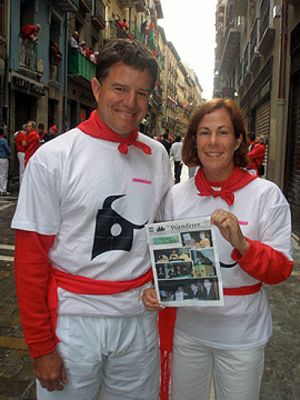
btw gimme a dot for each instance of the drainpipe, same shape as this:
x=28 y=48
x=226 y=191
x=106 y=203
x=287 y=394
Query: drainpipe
x=283 y=48
x=6 y=73
x=65 y=125
x=281 y=118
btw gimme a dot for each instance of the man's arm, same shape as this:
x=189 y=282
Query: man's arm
x=32 y=275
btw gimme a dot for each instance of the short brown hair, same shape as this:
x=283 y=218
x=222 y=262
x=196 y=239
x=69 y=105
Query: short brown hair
x=189 y=150
x=129 y=52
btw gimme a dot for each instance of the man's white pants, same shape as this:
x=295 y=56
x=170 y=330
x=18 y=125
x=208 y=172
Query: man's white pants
x=236 y=374
x=108 y=358
x=21 y=157
x=3 y=174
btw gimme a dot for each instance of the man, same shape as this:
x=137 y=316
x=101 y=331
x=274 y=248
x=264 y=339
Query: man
x=175 y=152
x=256 y=156
x=41 y=132
x=32 y=141
x=20 y=139
x=4 y=163
x=74 y=42
x=81 y=242
x=165 y=141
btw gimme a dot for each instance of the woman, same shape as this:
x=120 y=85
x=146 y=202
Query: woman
x=254 y=226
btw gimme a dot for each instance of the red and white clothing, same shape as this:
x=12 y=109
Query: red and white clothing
x=32 y=144
x=256 y=156
x=65 y=184
x=264 y=216
x=207 y=338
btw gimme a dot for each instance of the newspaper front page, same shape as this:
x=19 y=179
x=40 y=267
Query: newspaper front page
x=185 y=263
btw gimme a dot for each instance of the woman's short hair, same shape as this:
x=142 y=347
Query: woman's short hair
x=129 y=52
x=189 y=150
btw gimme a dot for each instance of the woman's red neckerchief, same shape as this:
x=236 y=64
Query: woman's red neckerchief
x=238 y=179
x=95 y=127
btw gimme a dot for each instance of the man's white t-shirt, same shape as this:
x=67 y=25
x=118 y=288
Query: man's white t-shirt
x=66 y=184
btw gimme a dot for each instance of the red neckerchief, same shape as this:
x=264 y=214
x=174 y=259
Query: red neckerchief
x=95 y=127
x=238 y=179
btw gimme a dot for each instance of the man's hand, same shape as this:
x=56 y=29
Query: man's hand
x=50 y=371
x=229 y=227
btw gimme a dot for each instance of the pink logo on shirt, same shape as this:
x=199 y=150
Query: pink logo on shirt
x=243 y=222
x=145 y=181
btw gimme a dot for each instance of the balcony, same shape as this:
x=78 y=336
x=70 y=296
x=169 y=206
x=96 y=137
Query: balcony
x=98 y=14
x=80 y=66
x=140 y=6
x=240 y=7
x=266 y=30
x=28 y=55
x=230 y=47
x=116 y=32
x=127 y=3
x=67 y=5
x=254 y=41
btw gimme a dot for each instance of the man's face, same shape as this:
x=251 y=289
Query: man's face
x=122 y=97
x=29 y=127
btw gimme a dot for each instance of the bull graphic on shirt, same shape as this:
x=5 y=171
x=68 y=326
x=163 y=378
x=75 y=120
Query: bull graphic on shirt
x=112 y=232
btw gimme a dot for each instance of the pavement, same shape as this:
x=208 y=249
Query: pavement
x=281 y=379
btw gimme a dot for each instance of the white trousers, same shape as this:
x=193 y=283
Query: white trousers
x=3 y=174
x=21 y=157
x=236 y=374
x=108 y=358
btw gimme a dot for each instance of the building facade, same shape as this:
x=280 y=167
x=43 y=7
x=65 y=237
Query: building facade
x=42 y=77
x=257 y=63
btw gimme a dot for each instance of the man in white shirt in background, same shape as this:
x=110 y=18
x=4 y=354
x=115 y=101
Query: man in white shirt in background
x=175 y=152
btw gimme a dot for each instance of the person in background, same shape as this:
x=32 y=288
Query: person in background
x=29 y=32
x=52 y=133
x=20 y=139
x=252 y=140
x=41 y=132
x=175 y=152
x=166 y=142
x=4 y=163
x=74 y=42
x=256 y=156
x=32 y=141
x=81 y=242
x=225 y=344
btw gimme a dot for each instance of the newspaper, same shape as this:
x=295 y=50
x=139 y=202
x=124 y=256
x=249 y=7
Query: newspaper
x=185 y=263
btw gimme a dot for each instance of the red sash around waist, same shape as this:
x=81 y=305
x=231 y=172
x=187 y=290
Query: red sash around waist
x=83 y=285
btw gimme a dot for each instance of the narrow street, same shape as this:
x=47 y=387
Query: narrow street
x=282 y=373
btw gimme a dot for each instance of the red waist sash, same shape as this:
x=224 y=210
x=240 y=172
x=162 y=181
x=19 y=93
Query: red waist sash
x=83 y=285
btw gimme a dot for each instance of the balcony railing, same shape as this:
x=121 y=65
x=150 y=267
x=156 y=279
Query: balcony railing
x=266 y=31
x=79 y=65
x=67 y=5
x=254 y=42
x=98 y=13
x=28 y=55
x=116 y=32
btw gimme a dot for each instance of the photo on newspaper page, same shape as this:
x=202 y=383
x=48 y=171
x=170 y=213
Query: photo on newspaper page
x=185 y=263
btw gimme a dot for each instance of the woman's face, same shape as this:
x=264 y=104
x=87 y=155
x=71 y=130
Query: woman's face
x=216 y=144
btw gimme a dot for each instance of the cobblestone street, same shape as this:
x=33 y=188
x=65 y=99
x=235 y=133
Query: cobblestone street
x=282 y=373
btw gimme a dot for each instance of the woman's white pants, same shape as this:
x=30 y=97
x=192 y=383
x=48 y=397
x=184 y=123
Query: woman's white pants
x=236 y=374
x=108 y=358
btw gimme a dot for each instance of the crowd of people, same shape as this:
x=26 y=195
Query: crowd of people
x=81 y=47
x=90 y=321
